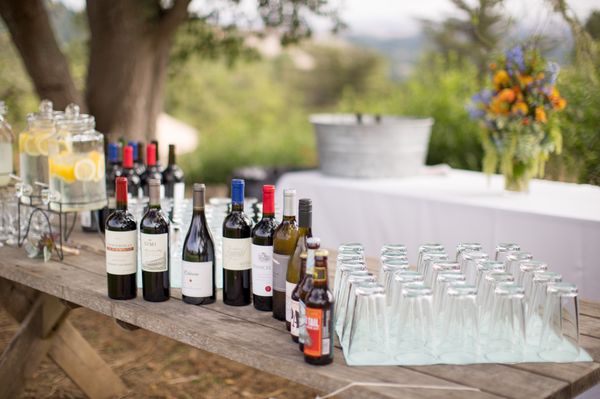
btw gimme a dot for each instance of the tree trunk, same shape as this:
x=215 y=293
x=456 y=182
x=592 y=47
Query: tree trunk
x=129 y=51
x=29 y=26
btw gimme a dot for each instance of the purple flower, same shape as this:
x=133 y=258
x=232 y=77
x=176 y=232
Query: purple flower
x=514 y=57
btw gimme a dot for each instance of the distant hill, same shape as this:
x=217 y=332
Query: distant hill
x=403 y=53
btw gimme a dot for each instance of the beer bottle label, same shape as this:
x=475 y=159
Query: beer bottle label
x=318 y=340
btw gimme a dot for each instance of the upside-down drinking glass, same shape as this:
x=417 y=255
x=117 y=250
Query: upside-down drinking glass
x=504 y=249
x=437 y=267
x=345 y=266
x=469 y=262
x=513 y=259
x=347 y=325
x=347 y=292
x=427 y=259
x=467 y=247
x=394 y=289
x=369 y=338
x=527 y=268
x=507 y=334
x=393 y=248
x=415 y=327
x=440 y=287
x=389 y=267
x=460 y=329
x=560 y=330
x=428 y=248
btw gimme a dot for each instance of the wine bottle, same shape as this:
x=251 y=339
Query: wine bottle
x=152 y=170
x=138 y=161
x=293 y=270
x=155 y=248
x=318 y=345
x=198 y=285
x=284 y=243
x=121 y=242
x=157 y=155
x=237 y=267
x=173 y=178
x=133 y=180
x=262 y=253
x=295 y=298
x=303 y=288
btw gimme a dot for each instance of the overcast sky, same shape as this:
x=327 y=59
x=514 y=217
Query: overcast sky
x=399 y=18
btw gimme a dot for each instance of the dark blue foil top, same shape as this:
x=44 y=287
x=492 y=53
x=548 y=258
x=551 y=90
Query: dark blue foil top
x=237 y=191
x=113 y=152
x=134 y=145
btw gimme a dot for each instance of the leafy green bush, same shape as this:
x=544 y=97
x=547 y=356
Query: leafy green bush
x=244 y=115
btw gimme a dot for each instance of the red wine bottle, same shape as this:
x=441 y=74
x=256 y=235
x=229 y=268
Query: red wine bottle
x=173 y=178
x=262 y=253
x=121 y=244
x=237 y=266
x=155 y=248
x=133 y=180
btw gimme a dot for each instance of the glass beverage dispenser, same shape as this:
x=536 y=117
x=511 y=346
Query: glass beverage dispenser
x=6 y=153
x=76 y=163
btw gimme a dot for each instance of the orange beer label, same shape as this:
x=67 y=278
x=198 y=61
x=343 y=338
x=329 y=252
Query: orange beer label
x=314 y=332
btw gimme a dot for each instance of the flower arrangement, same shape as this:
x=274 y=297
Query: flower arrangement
x=519 y=114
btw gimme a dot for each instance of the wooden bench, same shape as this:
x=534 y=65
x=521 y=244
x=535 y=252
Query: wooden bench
x=39 y=295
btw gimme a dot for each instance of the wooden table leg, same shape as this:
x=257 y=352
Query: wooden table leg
x=45 y=330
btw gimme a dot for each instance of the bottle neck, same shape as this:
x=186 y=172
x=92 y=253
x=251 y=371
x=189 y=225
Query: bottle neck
x=154 y=197
x=171 y=156
x=320 y=277
x=237 y=207
x=305 y=220
x=310 y=262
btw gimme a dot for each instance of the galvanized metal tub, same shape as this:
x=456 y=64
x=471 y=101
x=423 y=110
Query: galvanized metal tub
x=368 y=146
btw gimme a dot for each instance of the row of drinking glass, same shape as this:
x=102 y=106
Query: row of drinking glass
x=468 y=309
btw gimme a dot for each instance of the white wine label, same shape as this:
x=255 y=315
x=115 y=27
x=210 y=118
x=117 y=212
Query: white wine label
x=280 y=264
x=162 y=191
x=289 y=287
x=86 y=219
x=294 y=330
x=236 y=253
x=121 y=252
x=262 y=270
x=301 y=322
x=178 y=192
x=155 y=252
x=197 y=279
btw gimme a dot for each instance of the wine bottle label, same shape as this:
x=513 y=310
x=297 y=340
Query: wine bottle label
x=121 y=252
x=280 y=264
x=86 y=219
x=289 y=287
x=197 y=279
x=294 y=330
x=154 y=252
x=178 y=192
x=236 y=253
x=301 y=321
x=262 y=270
x=318 y=340
x=162 y=191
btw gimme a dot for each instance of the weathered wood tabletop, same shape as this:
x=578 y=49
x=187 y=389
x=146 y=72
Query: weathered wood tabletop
x=254 y=338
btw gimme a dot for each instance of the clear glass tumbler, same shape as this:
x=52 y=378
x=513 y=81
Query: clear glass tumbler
x=428 y=248
x=560 y=331
x=504 y=249
x=415 y=328
x=369 y=338
x=459 y=337
x=507 y=333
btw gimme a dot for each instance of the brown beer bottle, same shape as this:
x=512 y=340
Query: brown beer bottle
x=304 y=287
x=318 y=344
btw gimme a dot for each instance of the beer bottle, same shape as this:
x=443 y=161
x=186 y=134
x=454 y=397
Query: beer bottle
x=318 y=344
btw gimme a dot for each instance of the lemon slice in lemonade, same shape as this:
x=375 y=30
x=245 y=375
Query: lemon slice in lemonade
x=41 y=142
x=85 y=170
x=64 y=171
x=98 y=158
x=29 y=146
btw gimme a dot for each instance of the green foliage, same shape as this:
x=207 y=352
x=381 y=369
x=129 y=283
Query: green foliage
x=245 y=116
x=439 y=88
x=592 y=25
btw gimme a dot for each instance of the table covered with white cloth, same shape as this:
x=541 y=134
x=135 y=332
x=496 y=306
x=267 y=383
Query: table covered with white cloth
x=557 y=222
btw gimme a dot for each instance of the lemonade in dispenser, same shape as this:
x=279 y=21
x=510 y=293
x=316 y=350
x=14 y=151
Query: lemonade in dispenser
x=33 y=146
x=76 y=163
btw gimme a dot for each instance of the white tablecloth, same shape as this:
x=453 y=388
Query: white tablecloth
x=558 y=222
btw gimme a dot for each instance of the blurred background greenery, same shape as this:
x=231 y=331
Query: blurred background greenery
x=252 y=108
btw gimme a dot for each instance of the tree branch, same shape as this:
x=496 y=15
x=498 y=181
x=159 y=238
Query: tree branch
x=171 y=18
x=29 y=26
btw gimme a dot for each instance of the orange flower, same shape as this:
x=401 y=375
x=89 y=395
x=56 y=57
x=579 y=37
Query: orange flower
x=499 y=107
x=493 y=66
x=507 y=95
x=559 y=104
x=520 y=108
x=526 y=121
x=501 y=78
x=540 y=115
x=525 y=80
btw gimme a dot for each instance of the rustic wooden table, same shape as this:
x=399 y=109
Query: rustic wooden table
x=40 y=295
